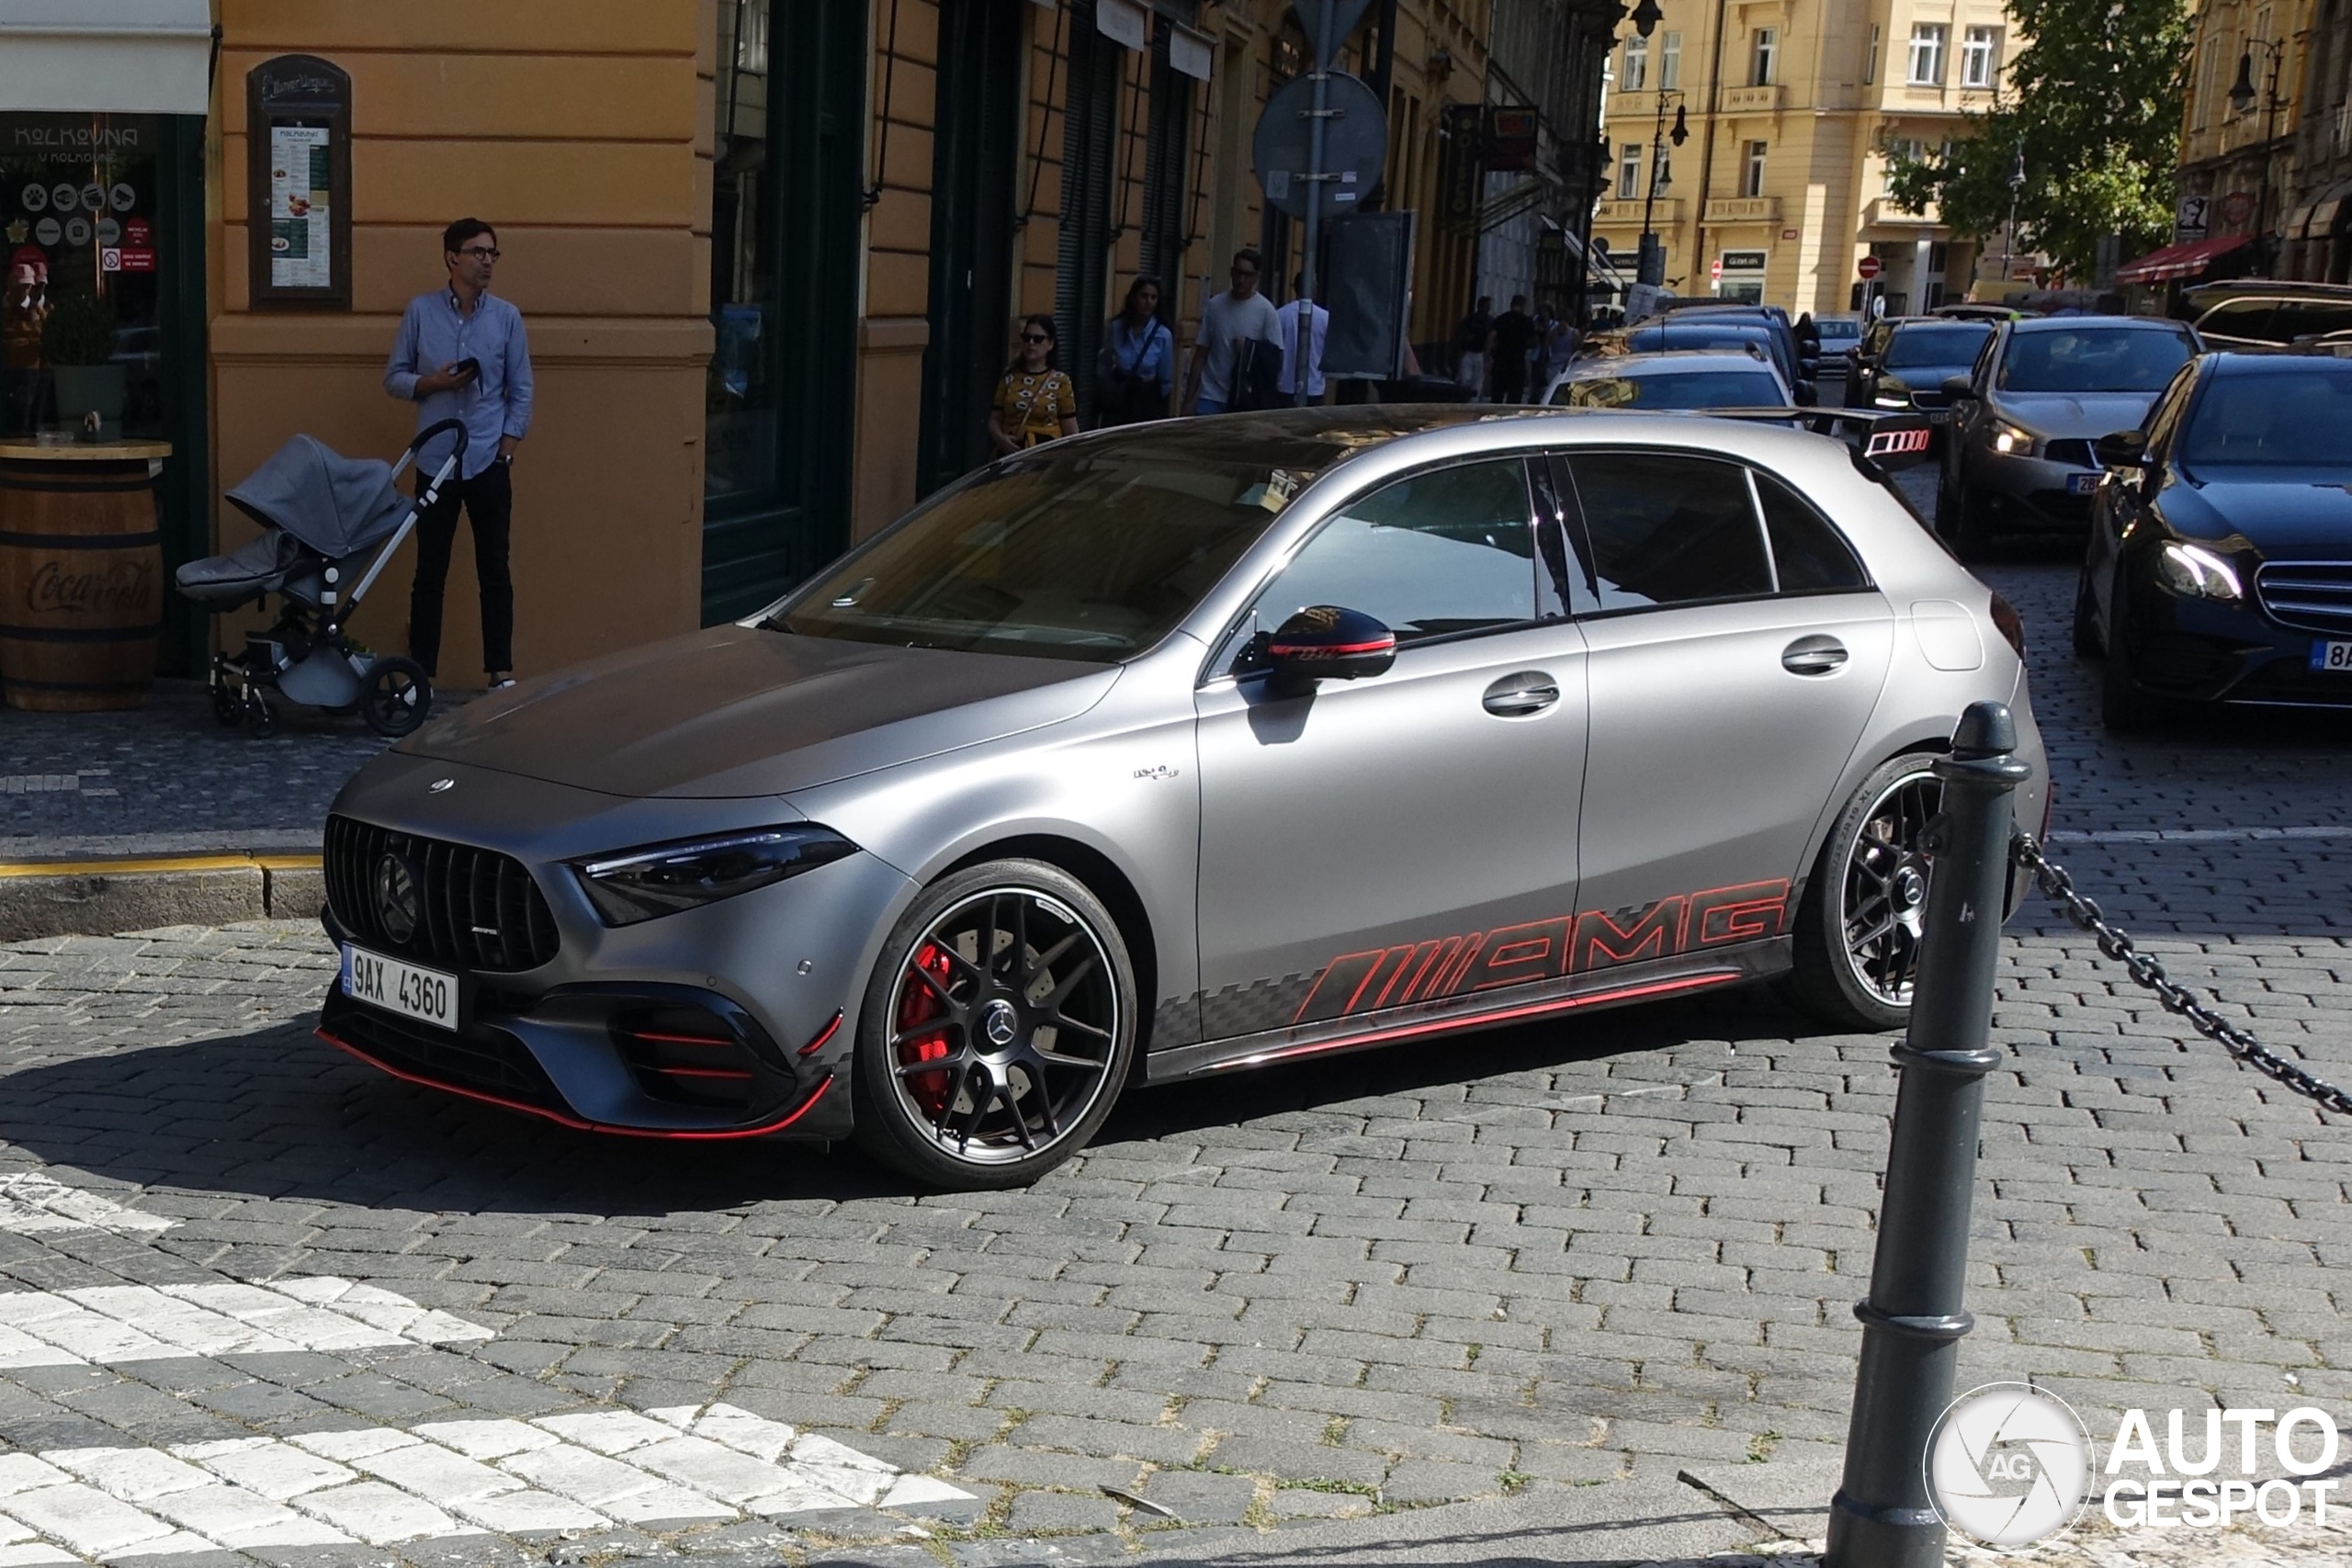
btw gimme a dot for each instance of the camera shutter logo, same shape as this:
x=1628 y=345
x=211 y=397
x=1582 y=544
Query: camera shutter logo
x=2009 y=1464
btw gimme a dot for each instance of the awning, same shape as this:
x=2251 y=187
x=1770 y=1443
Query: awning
x=2179 y=261
x=105 y=56
x=2321 y=222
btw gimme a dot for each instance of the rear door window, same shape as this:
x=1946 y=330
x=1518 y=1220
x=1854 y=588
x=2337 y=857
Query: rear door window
x=2312 y=318
x=2241 y=318
x=1667 y=528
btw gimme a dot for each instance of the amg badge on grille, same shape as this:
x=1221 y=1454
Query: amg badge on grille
x=397 y=901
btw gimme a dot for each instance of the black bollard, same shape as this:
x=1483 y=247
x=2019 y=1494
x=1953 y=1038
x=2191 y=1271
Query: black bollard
x=1912 y=1320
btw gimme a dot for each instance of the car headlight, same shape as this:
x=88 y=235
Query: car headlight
x=2009 y=438
x=1891 y=396
x=2199 y=572
x=662 y=879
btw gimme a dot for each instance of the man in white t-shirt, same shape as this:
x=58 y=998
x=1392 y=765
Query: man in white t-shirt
x=1292 y=314
x=1227 y=319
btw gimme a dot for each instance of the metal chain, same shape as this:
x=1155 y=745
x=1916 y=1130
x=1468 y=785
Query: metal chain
x=2147 y=972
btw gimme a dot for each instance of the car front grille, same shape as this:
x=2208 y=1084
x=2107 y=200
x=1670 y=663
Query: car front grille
x=2076 y=453
x=477 y=909
x=2312 y=595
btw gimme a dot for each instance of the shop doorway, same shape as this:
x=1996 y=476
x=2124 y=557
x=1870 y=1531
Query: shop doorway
x=784 y=212
x=975 y=151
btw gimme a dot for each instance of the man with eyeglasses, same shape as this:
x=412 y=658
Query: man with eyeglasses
x=1225 y=374
x=483 y=379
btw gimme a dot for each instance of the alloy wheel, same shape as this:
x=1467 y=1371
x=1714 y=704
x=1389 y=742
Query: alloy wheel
x=1883 y=904
x=1004 y=1022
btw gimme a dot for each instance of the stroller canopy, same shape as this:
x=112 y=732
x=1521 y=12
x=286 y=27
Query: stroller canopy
x=339 y=506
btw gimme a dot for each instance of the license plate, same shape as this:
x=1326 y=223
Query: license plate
x=425 y=993
x=2333 y=656
x=2082 y=484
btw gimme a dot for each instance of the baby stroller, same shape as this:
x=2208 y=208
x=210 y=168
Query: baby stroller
x=319 y=513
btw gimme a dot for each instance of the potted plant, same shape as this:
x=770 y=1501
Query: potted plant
x=78 y=344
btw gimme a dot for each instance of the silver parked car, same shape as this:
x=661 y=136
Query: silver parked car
x=1174 y=750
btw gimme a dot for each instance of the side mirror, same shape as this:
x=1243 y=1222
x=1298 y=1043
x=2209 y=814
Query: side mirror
x=2123 y=449
x=1326 y=642
x=1959 y=386
x=1807 y=396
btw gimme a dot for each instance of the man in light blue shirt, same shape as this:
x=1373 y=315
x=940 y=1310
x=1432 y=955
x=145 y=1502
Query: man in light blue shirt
x=461 y=355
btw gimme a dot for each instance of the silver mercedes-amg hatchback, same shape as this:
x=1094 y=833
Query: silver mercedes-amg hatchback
x=1178 y=749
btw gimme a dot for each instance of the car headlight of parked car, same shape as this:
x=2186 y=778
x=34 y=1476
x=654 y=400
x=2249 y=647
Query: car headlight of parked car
x=2199 y=572
x=2009 y=438
x=1891 y=395
x=662 y=879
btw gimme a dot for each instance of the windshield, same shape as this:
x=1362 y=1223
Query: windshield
x=2292 y=419
x=1093 y=550
x=1955 y=345
x=1830 y=326
x=2093 y=359
x=1727 y=389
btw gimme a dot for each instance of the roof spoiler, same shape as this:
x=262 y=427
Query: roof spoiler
x=1890 y=443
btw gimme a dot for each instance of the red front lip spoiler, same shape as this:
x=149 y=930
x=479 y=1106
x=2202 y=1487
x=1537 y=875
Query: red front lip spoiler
x=580 y=1124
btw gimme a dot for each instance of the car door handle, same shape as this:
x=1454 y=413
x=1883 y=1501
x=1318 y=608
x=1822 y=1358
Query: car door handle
x=1515 y=697
x=1814 y=655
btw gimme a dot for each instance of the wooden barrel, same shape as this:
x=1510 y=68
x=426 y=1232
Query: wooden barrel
x=81 y=575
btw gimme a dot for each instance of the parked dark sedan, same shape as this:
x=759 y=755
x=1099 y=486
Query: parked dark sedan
x=2220 y=566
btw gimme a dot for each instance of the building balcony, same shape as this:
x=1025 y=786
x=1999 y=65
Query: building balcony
x=1751 y=100
x=1883 y=213
x=1744 y=209
x=1665 y=211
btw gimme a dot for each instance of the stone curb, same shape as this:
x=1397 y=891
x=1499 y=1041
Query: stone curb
x=98 y=897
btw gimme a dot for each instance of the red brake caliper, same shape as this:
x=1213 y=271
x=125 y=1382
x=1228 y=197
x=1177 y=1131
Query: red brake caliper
x=917 y=1006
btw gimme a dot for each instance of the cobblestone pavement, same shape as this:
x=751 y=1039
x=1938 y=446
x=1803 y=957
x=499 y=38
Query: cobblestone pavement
x=1601 y=1252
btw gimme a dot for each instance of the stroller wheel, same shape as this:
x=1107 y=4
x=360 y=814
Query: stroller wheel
x=395 y=696
x=261 y=717
x=228 y=707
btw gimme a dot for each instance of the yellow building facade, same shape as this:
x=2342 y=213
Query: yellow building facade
x=2236 y=152
x=1794 y=110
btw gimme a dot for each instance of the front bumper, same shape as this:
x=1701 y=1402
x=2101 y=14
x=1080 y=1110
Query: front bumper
x=2027 y=494
x=2203 y=650
x=731 y=1020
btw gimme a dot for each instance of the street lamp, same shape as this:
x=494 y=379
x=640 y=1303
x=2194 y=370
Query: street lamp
x=2242 y=96
x=2016 y=183
x=1646 y=16
x=1650 y=266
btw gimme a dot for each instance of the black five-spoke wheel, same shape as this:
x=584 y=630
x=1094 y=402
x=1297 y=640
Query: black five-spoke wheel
x=1865 y=909
x=998 y=1028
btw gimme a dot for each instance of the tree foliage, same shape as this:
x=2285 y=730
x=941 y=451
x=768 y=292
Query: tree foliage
x=2094 y=102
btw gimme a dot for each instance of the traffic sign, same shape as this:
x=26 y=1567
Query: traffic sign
x=1344 y=14
x=1355 y=144
x=1869 y=267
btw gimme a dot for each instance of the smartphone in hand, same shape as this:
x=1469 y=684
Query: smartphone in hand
x=469 y=368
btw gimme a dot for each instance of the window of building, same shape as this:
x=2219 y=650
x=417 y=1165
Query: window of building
x=1752 y=178
x=1669 y=62
x=1980 y=56
x=1628 y=172
x=1767 y=58
x=1669 y=530
x=1636 y=76
x=1870 y=61
x=1436 y=554
x=1927 y=55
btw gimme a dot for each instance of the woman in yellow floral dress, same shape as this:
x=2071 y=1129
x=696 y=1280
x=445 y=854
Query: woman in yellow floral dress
x=1034 y=401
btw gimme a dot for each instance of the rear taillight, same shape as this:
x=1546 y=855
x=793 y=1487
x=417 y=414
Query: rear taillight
x=2011 y=626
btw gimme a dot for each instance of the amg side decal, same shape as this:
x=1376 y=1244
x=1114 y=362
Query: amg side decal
x=1542 y=950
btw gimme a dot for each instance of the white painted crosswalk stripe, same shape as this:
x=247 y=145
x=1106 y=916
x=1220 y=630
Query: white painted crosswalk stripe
x=381 y=1486
x=111 y=1325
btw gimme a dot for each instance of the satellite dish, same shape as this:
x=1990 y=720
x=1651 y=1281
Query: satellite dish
x=1355 y=145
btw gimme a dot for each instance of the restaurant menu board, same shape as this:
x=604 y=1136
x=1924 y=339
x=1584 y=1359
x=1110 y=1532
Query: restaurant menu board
x=301 y=237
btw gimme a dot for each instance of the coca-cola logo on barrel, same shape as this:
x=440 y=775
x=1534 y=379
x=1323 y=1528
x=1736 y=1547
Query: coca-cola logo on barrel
x=121 y=586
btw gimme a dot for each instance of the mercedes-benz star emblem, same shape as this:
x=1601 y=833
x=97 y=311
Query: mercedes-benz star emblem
x=1000 y=1023
x=397 y=901
x=439 y=785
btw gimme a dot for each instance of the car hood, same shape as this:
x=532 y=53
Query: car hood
x=1923 y=377
x=2065 y=414
x=735 y=711
x=2290 y=518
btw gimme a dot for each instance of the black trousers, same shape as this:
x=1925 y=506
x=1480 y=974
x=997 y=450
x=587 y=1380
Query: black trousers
x=489 y=501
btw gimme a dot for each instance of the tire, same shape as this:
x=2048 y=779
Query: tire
x=1031 y=1062
x=228 y=707
x=1859 y=924
x=260 y=715
x=2086 y=639
x=2122 y=704
x=395 y=695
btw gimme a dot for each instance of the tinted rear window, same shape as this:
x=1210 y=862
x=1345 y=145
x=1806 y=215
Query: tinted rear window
x=1669 y=529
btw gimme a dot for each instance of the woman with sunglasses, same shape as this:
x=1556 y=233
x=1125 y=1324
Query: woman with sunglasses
x=1034 y=401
